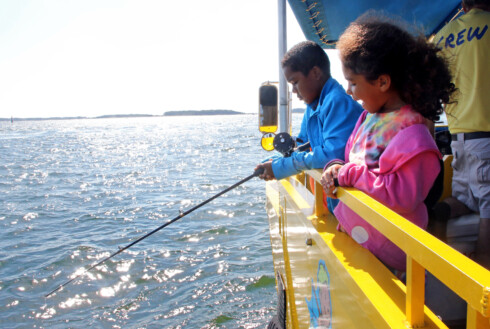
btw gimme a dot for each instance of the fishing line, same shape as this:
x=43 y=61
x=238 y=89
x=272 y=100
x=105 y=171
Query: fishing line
x=257 y=172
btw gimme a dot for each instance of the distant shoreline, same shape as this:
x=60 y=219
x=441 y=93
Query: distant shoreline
x=170 y=113
x=203 y=112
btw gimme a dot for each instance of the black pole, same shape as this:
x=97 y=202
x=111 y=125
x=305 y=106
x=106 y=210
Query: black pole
x=182 y=214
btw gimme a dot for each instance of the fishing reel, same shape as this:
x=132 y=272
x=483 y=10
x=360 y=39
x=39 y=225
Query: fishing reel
x=283 y=143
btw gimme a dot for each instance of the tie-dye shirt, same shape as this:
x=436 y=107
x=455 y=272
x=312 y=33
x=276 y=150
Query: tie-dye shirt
x=376 y=132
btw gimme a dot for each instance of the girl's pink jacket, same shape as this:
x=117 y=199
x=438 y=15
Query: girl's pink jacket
x=407 y=170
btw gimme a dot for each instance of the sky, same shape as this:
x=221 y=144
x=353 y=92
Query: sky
x=65 y=58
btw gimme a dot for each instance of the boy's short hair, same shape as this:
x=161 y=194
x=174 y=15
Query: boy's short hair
x=304 y=56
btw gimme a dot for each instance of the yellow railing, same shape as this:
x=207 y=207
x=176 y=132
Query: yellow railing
x=466 y=278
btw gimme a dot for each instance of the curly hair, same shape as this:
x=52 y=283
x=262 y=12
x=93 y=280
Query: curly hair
x=304 y=56
x=374 y=45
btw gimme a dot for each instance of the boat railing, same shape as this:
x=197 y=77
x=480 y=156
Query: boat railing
x=459 y=273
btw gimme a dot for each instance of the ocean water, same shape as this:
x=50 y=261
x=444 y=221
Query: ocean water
x=73 y=191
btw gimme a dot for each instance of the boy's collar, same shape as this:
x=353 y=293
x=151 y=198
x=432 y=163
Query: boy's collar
x=314 y=104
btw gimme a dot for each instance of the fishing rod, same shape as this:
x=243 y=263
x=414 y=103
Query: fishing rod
x=256 y=173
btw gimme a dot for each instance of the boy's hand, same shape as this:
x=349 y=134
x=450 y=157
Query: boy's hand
x=268 y=173
x=327 y=180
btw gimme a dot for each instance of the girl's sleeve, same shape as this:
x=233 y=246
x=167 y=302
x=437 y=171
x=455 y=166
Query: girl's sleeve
x=400 y=190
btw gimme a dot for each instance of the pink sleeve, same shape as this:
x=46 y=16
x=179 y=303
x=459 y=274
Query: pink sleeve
x=401 y=190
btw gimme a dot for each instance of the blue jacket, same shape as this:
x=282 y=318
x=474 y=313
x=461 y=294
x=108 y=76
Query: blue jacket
x=327 y=125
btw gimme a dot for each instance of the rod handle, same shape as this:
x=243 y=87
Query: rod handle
x=259 y=171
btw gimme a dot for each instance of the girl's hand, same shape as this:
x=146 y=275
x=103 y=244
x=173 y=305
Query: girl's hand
x=327 y=180
x=268 y=173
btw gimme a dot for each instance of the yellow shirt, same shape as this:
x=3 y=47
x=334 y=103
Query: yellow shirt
x=465 y=42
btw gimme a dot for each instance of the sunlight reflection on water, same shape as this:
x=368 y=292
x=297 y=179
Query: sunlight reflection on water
x=73 y=192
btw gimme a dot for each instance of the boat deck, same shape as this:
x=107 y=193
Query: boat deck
x=330 y=281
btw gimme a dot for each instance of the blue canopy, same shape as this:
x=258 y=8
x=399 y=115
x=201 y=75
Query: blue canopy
x=323 y=21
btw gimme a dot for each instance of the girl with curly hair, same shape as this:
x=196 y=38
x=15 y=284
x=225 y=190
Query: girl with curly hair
x=391 y=155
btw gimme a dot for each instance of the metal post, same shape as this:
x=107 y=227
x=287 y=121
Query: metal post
x=283 y=87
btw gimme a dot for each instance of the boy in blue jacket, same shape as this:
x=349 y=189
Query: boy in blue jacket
x=329 y=118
